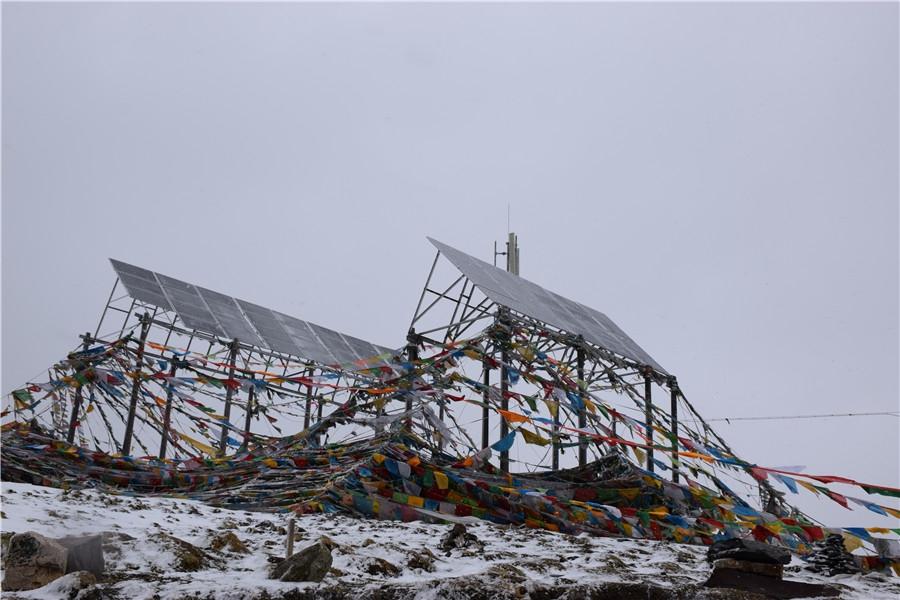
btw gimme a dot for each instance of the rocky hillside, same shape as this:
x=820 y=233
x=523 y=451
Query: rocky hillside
x=164 y=548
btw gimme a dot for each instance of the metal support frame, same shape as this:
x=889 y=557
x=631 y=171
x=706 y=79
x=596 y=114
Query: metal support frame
x=167 y=415
x=673 y=414
x=306 y=412
x=648 y=415
x=582 y=415
x=486 y=399
x=251 y=401
x=229 y=394
x=504 y=388
x=76 y=404
x=136 y=387
x=412 y=355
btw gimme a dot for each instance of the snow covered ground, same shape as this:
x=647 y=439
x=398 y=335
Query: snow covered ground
x=375 y=558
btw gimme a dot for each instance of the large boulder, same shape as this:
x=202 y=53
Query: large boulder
x=768 y=586
x=85 y=553
x=310 y=564
x=33 y=561
x=748 y=550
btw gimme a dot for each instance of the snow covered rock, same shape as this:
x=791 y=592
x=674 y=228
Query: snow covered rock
x=310 y=564
x=831 y=558
x=230 y=541
x=188 y=557
x=459 y=537
x=33 y=561
x=748 y=550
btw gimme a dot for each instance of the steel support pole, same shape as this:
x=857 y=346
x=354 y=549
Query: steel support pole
x=306 y=415
x=485 y=411
x=229 y=393
x=582 y=415
x=251 y=399
x=504 y=404
x=554 y=436
x=76 y=404
x=412 y=355
x=167 y=415
x=136 y=387
x=648 y=416
x=676 y=463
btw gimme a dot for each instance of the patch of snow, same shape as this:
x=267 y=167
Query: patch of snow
x=140 y=565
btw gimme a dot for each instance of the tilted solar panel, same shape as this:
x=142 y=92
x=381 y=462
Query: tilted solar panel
x=532 y=300
x=141 y=284
x=222 y=315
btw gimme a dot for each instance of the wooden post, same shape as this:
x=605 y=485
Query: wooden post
x=167 y=416
x=136 y=387
x=648 y=416
x=229 y=393
x=582 y=414
x=289 y=547
x=76 y=405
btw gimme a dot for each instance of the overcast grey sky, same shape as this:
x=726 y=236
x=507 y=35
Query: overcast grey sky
x=721 y=180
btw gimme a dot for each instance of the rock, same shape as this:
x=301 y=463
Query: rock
x=459 y=537
x=188 y=557
x=379 y=566
x=767 y=569
x=73 y=586
x=328 y=542
x=508 y=572
x=831 y=558
x=5 y=536
x=769 y=587
x=310 y=564
x=421 y=559
x=748 y=550
x=33 y=561
x=85 y=553
x=229 y=540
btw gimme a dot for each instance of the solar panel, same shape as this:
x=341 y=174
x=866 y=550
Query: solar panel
x=141 y=284
x=335 y=343
x=532 y=300
x=189 y=305
x=223 y=315
x=306 y=340
x=227 y=312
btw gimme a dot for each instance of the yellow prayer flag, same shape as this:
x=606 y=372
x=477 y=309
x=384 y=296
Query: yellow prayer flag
x=533 y=438
x=808 y=486
x=552 y=406
x=441 y=480
x=851 y=542
x=639 y=454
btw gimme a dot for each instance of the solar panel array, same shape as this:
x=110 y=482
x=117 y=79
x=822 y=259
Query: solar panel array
x=532 y=300
x=224 y=316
